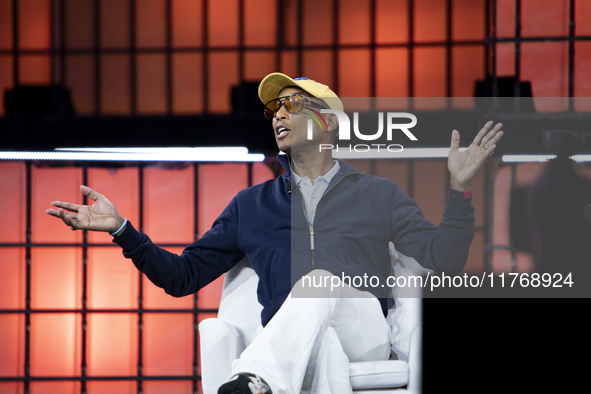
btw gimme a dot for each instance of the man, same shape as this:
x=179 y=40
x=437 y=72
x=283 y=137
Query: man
x=307 y=342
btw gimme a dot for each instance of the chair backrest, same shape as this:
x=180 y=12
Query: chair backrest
x=239 y=304
x=240 y=307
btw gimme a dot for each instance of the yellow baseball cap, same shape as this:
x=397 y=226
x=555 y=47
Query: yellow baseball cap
x=272 y=84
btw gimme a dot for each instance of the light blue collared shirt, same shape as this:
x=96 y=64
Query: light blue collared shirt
x=313 y=192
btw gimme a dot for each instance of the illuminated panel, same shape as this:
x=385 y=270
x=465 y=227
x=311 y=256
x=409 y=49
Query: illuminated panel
x=467 y=67
x=223 y=74
x=121 y=187
x=80 y=80
x=12 y=387
x=55 y=387
x=395 y=170
x=429 y=188
x=429 y=20
x=311 y=60
x=505 y=18
x=55 y=344
x=187 y=83
x=218 y=184
x=168 y=204
x=257 y=65
x=290 y=25
x=54 y=184
x=112 y=344
x=392 y=72
x=468 y=18
x=114 y=30
x=257 y=33
x=56 y=278
x=545 y=64
x=475 y=262
x=12 y=279
x=289 y=64
x=354 y=22
x=168 y=344
x=112 y=279
x=167 y=387
x=505 y=59
x=12 y=345
x=80 y=24
x=5 y=24
x=94 y=387
x=6 y=79
x=317 y=22
x=582 y=18
x=222 y=21
x=354 y=73
x=151 y=84
x=33 y=24
x=115 y=85
x=582 y=75
x=261 y=173
x=156 y=298
x=150 y=23
x=12 y=194
x=429 y=78
x=391 y=21
x=34 y=69
x=543 y=18
x=186 y=23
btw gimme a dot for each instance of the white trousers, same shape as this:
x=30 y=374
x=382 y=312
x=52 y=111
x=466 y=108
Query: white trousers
x=308 y=344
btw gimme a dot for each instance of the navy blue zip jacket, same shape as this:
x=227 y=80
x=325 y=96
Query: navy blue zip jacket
x=356 y=218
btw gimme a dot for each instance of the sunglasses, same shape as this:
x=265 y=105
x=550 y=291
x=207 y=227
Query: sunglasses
x=293 y=103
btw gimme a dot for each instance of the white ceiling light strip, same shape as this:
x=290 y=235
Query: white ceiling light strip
x=139 y=154
x=527 y=158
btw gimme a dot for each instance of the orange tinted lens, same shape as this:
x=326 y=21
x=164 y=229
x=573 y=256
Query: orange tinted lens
x=294 y=104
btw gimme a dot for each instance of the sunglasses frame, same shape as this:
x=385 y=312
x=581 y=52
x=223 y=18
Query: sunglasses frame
x=270 y=115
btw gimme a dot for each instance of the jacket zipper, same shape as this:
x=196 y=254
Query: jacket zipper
x=310 y=226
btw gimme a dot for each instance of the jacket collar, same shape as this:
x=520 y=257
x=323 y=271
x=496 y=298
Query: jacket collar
x=344 y=169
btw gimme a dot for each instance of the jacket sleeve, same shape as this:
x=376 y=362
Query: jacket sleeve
x=199 y=264
x=442 y=248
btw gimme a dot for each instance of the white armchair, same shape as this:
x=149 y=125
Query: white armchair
x=224 y=338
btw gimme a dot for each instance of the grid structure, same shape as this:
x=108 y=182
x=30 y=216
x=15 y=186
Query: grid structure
x=37 y=288
x=154 y=58
x=172 y=57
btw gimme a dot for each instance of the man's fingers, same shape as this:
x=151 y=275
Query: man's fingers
x=482 y=132
x=455 y=140
x=491 y=134
x=90 y=193
x=489 y=151
x=66 y=205
x=52 y=212
x=68 y=218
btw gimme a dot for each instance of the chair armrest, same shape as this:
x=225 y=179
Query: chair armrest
x=415 y=361
x=220 y=344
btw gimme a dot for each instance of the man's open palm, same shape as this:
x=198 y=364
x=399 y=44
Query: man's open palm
x=100 y=216
x=463 y=166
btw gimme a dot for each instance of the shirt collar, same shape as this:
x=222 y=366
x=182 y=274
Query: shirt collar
x=326 y=177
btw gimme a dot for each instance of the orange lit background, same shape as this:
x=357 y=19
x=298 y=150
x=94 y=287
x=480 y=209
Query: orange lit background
x=185 y=63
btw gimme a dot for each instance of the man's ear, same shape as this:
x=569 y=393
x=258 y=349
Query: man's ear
x=332 y=121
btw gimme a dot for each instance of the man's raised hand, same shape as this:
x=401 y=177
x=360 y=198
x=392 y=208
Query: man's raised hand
x=463 y=166
x=100 y=216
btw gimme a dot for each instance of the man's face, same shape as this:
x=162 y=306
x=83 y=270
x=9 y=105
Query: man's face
x=291 y=129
